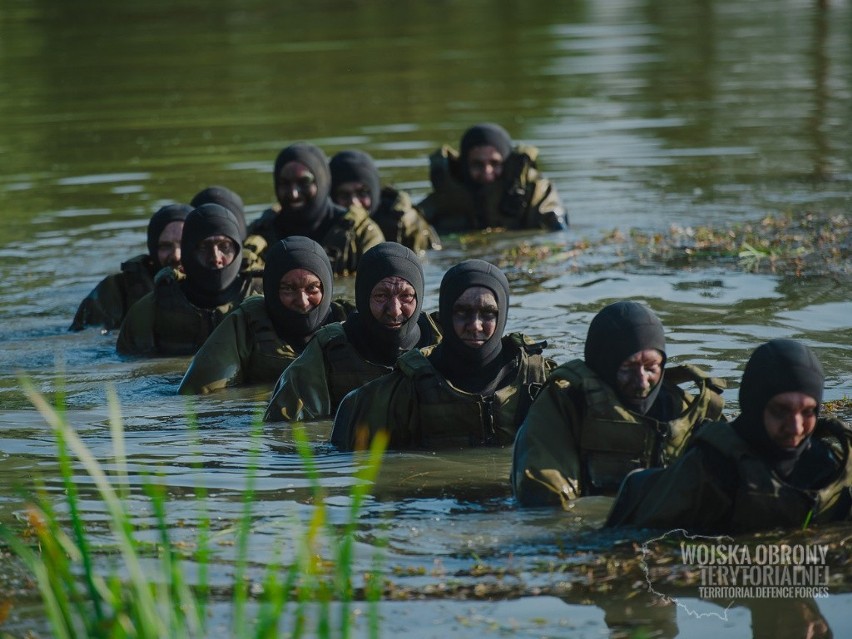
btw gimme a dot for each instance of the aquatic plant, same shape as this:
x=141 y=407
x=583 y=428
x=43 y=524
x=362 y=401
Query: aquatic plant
x=803 y=245
x=114 y=590
x=798 y=245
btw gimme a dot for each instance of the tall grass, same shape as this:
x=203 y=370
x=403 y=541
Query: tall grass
x=85 y=595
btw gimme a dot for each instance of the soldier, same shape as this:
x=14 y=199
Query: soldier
x=109 y=301
x=256 y=342
x=387 y=322
x=354 y=177
x=778 y=464
x=223 y=196
x=597 y=419
x=253 y=245
x=184 y=307
x=472 y=389
x=303 y=186
x=490 y=183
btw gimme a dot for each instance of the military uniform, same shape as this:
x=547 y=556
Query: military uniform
x=420 y=408
x=315 y=383
x=520 y=199
x=109 y=301
x=401 y=222
x=722 y=485
x=579 y=439
x=244 y=349
x=253 y=255
x=351 y=233
x=165 y=322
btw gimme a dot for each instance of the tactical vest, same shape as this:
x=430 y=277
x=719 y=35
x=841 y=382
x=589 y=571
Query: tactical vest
x=339 y=242
x=501 y=203
x=389 y=216
x=344 y=366
x=138 y=279
x=108 y=303
x=518 y=178
x=762 y=499
x=400 y=222
x=448 y=417
x=614 y=440
x=270 y=355
x=180 y=327
x=264 y=226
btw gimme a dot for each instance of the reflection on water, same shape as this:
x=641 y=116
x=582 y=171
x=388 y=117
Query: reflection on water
x=645 y=114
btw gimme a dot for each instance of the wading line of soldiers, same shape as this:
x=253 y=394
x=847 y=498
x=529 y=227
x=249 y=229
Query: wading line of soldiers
x=253 y=303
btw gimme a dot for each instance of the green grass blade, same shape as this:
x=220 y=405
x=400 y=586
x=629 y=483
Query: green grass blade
x=55 y=609
x=241 y=586
x=202 y=552
x=143 y=599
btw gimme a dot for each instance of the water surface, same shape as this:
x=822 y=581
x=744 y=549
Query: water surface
x=646 y=114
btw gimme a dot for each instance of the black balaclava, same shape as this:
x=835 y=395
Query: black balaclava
x=314 y=217
x=223 y=197
x=486 y=134
x=356 y=166
x=471 y=369
x=617 y=332
x=281 y=258
x=778 y=366
x=159 y=221
x=374 y=340
x=204 y=286
x=456 y=281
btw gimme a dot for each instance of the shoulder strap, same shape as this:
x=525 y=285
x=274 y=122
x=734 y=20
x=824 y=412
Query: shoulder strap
x=574 y=372
x=599 y=397
x=330 y=334
x=261 y=232
x=720 y=436
x=691 y=373
x=256 y=316
x=443 y=164
x=354 y=216
x=710 y=388
x=528 y=150
x=138 y=264
x=340 y=309
x=526 y=343
x=519 y=171
x=138 y=275
x=413 y=364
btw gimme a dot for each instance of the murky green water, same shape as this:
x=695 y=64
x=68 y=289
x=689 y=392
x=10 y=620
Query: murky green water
x=646 y=114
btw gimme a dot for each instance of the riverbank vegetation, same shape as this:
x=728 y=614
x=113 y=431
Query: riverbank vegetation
x=803 y=245
x=809 y=244
x=138 y=581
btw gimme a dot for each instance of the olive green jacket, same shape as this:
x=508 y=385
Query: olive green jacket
x=245 y=349
x=351 y=235
x=721 y=486
x=315 y=383
x=401 y=222
x=420 y=408
x=164 y=322
x=520 y=199
x=109 y=301
x=579 y=439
